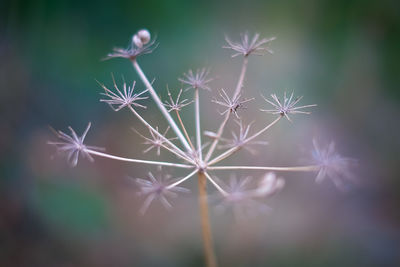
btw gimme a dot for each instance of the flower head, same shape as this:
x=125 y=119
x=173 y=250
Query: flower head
x=240 y=139
x=285 y=107
x=231 y=105
x=72 y=145
x=140 y=45
x=120 y=99
x=332 y=165
x=155 y=141
x=178 y=104
x=196 y=80
x=246 y=47
x=157 y=188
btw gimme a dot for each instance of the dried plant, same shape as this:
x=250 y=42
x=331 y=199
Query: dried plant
x=193 y=156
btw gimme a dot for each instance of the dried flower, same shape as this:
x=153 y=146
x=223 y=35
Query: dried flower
x=239 y=140
x=122 y=99
x=244 y=201
x=232 y=105
x=246 y=47
x=140 y=45
x=157 y=188
x=155 y=141
x=332 y=165
x=72 y=145
x=178 y=104
x=198 y=80
x=285 y=107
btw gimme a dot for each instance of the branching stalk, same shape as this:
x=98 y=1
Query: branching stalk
x=182 y=180
x=198 y=130
x=175 y=150
x=160 y=105
x=184 y=129
x=236 y=93
x=222 y=191
x=287 y=169
x=162 y=163
x=241 y=77
x=229 y=152
x=219 y=134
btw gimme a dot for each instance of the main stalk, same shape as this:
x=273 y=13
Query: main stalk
x=205 y=222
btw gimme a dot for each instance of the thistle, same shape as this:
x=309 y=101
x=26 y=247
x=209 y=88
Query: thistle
x=194 y=156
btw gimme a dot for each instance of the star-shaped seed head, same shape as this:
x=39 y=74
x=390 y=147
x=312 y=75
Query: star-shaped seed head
x=122 y=98
x=240 y=139
x=155 y=141
x=140 y=44
x=156 y=188
x=178 y=104
x=231 y=105
x=198 y=80
x=287 y=106
x=246 y=47
x=72 y=145
x=332 y=165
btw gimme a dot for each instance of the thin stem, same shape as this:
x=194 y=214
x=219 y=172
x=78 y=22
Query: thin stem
x=219 y=134
x=236 y=93
x=229 y=152
x=222 y=191
x=205 y=222
x=182 y=180
x=197 y=118
x=160 y=105
x=263 y=130
x=104 y=155
x=289 y=169
x=184 y=130
x=175 y=150
x=241 y=77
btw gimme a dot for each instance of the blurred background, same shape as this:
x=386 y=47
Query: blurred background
x=342 y=55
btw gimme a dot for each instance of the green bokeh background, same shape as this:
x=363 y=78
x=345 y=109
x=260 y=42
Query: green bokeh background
x=343 y=55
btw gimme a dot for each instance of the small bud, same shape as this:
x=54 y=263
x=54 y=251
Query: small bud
x=137 y=41
x=144 y=36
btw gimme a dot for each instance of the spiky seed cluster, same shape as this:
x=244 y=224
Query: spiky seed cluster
x=239 y=140
x=178 y=104
x=326 y=161
x=156 y=188
x=332 y=165
x=120 y=99
x=287 y=106
x=232 y=105
x=141 y=44
x=246 y=47
x=155 y=141
x=198 y=80
x=72 y=145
